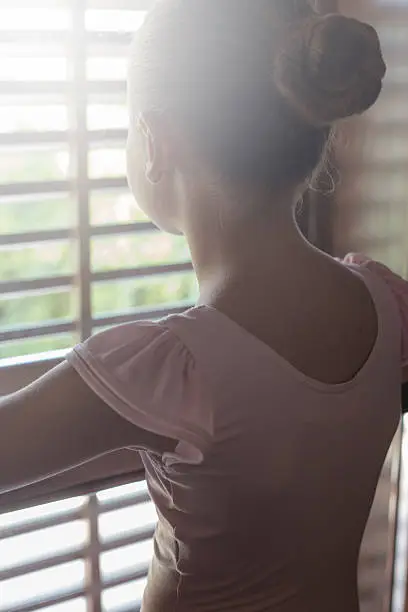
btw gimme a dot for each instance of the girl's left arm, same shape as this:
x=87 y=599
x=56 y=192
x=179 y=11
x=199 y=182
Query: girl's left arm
x=58 y=424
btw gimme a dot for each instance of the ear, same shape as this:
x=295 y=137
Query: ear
x=155 y=146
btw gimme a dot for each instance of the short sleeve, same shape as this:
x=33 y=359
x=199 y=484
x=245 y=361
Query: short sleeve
x=143 y=371
x=398 y=287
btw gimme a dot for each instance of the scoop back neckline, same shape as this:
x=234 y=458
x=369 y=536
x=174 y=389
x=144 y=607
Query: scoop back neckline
x=300 y=376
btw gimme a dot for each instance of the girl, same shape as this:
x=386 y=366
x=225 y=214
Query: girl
x=264 y=414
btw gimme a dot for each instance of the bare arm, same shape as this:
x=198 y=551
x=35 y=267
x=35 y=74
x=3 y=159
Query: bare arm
x=115 y=469
x=58 y=423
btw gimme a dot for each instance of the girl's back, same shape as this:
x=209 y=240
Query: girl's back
x=264 y=414
x=271 y=516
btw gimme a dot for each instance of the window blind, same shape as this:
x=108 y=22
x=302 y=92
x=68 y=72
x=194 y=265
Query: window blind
x=76 y=256
x=78 y=554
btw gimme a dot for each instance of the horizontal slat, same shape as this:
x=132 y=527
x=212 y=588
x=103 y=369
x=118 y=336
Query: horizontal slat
x=29 y=88
x=140 y=497
x=15 y=139
x=36 y=284
x=130 y=608
x=56 y=187
x=30 y=37
x=18 y=139
x=34 y=237
x=38 y=331
x=61 y=38
x=141 y=315
x=136 y=574
x=128 y=228
x=34 y=188
x=66 y=234
x=26 y=89
x=108 y=183
x=113 y=275
x=39 y=604
x=48 y=329
x=36 y=566
x=138 y=535
x=108 y=135
x=34 y=524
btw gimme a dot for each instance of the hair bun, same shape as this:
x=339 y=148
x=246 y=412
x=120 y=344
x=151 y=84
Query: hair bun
x=331 y=68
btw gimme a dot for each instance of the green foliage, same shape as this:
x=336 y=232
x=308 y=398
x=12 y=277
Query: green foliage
x=60 y=258
x=36 y=213
x=34 y=165
x=42 y=344
x=130 y=295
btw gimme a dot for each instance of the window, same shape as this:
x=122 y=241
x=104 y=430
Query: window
x=76 y=256
x=62 y=556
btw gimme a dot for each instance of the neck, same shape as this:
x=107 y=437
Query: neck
x=228 y=248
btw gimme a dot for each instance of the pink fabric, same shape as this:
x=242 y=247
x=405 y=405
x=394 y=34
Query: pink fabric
x=147 y=374
x=264 y=503
x=398 y=287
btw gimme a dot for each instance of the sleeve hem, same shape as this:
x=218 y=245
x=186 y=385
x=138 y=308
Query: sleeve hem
x=93 y=374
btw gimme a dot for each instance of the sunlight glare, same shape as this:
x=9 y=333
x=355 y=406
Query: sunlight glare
x=37 y=19
x=21 y=61
x=31 y=69
x=114 y=20
x=39 y=118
